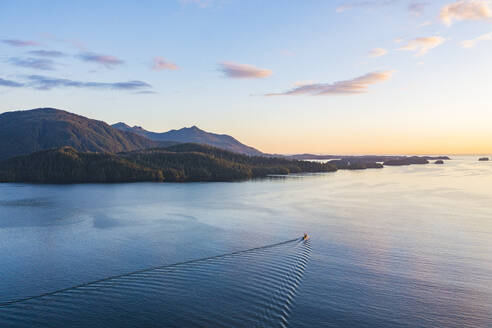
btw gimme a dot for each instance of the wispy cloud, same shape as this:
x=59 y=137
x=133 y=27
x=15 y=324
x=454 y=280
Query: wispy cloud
x=47 y=53
x=473 y=42
x=105 y=60
x=422 y=45
x=41 y=82
x=242 y=71
x=417 y=8
x=465 y=10
x=161 y=64
x=9 y=83
x=35 y=63
x=354 y=86
x=20 y=43
x=377 y=52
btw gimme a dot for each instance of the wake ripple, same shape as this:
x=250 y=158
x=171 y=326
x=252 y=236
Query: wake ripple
x=251 y=288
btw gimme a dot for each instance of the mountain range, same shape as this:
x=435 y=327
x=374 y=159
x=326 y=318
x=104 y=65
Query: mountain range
x=193 y=135
x=28 y=131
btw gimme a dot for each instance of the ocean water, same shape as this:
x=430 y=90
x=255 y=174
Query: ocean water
x=396 y=247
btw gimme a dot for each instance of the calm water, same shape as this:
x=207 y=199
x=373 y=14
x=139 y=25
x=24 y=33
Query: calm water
x=402 y=246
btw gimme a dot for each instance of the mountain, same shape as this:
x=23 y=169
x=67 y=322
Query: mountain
x=25 y=132
x=193 y=135
x=181 y=162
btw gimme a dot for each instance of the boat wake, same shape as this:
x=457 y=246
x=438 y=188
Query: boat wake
x=250 y=288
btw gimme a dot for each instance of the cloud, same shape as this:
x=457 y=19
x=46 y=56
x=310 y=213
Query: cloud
x=465 y=10
x=41 y=82
x=36 y=63
x=417 y=8
x=46 y=83
x=242 y=71
x=9 y=83
x=46 y=53
x=422 y=45
x=357 y=85
x=105 y=60
x=377 y=52
x=161 y=64
x=20 y=43
x=473 y=42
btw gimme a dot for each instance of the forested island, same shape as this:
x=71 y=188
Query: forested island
x=178 y=163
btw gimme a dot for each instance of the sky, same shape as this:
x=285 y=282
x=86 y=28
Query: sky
x=318 y=76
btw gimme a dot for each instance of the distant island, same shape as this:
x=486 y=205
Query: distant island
x=483 y=159
x=406 y=161
x=369 y=158
x=48 y=145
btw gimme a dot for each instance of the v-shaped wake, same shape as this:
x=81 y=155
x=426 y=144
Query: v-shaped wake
x=249 y=288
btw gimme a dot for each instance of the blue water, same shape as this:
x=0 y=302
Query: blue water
x=401 y=246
